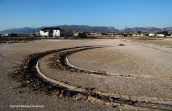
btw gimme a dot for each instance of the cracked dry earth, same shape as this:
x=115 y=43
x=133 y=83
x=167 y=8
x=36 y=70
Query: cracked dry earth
x=109 y=78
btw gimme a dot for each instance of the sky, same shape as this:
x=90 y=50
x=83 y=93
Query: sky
x=115 y=13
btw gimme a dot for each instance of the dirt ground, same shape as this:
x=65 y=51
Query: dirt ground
x=162 y=42
x=151 y=71
x=13 y=55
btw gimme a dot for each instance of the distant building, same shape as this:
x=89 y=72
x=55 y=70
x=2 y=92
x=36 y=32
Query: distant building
x=151 y=34
x=111 y=34
x=5 y=35
x=134 y=35
x=77 y=34
x=118 y=35
x=50 y=32
x=95 y=34
x=160 y=35
x=142 y=35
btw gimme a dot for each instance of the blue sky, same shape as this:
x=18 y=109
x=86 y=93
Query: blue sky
x=115 y=13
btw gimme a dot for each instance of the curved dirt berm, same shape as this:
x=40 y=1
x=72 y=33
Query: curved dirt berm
x=61 y=64
x=30 y=75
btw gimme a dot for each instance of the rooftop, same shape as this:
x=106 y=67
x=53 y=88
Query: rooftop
x=51 y=28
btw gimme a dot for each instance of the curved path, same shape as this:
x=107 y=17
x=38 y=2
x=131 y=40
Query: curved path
x=134 y=61
x=68 y=63
x=126 y=97
x=67 y=88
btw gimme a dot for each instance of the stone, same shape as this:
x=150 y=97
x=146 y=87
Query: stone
x=121 y=45
x=56 y=93
x=57 y=60
x=80 y=97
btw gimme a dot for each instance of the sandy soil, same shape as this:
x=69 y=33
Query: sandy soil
x=13 y=55
x=164 y=42
x=131 y=86
x=129 y=59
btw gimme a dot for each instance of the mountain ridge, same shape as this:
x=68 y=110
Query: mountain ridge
x=88 y=28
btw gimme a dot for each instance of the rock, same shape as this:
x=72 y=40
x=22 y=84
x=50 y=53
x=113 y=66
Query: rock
x=112 y=104
x=111 y=99
x=25 y=67
x=61 y=95
x=103 y=72
x=58 y=60
x=121 y=45
x=21 y=92
x=130 y=102
x=80 y=97
x=56 y=93
x=73 y=70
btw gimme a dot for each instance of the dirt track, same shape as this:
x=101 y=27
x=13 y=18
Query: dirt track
x=12 y=56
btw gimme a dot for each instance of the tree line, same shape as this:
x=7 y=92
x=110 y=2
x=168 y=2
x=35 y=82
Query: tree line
x=68 y=32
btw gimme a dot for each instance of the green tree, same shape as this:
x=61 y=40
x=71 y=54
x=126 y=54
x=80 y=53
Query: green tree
x=104 y=33
x=139 y=32
x=165 y=32
x=14 y=35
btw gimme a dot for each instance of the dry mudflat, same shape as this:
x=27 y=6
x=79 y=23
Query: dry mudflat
x=149 y=67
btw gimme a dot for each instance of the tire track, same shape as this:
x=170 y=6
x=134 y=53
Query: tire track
x=29 y=76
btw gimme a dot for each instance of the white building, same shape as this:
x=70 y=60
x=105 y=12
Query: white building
x=77 y=34
x=50 y=32
x=95 y=34
x=151 y=34
x=5 y=35
x=134 y=35
x=142 y=35
x=160 y=35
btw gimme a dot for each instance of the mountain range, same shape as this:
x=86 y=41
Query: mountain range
x=88 y=28
x=147 y=29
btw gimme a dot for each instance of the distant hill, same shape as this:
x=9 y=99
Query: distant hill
x=16 y=30
x=88 y=28
x=169 y=29
x=147 y=29
x=73 y=27
x=24 y=30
